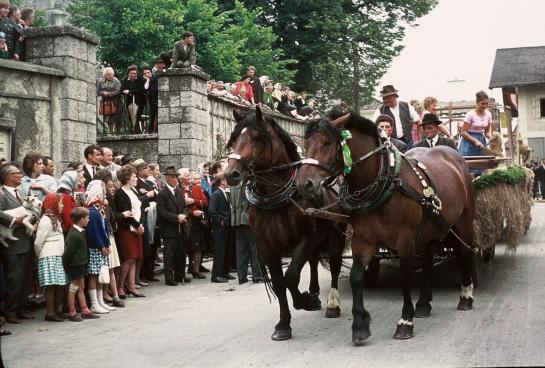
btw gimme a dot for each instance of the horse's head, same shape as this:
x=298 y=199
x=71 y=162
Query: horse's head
x=257 y=143
x=324 y=155
x=325 y=142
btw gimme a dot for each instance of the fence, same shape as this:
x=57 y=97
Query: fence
x=127 y=118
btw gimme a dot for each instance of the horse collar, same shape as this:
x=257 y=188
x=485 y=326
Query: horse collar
x=270 y=201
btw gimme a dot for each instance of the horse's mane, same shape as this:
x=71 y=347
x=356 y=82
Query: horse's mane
x=250 y=121
x=355 y=122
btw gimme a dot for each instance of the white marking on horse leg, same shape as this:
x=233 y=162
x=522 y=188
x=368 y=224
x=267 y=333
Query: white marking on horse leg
x=467 y=291
x=404 y=322
x=333 y=298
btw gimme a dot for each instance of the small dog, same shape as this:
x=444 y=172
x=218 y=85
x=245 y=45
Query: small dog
x=29 y=208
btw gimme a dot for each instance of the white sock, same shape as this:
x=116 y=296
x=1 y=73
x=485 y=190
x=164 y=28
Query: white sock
x=100 y=297
x=95 y=306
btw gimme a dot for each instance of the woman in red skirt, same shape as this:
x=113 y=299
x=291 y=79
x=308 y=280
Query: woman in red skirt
x=129 y=229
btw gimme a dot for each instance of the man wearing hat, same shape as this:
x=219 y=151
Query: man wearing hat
x=430 y=126
x=172 y=217
x=402 y=113
x=147 y=194
x=127 y=159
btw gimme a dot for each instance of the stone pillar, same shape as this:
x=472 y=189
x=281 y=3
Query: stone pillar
x=73 y=51
x=183 y=118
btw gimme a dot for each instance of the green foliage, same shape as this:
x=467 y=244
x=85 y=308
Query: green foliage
x=511 y=175
x=137 y=31
x=343 y=47
x=130 y=31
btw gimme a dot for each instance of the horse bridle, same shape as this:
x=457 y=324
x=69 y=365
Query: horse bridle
x=330 y=167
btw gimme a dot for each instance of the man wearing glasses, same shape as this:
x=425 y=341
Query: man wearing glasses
x=17 y=258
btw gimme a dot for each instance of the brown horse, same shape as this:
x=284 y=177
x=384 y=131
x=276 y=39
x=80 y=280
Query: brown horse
x=265 y=156
x=393 y=204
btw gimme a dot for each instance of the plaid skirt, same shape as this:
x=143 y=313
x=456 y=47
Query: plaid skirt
x=51 y=271
x=96 y=260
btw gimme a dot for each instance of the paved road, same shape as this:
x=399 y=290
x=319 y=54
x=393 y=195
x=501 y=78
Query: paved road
x=218 y=325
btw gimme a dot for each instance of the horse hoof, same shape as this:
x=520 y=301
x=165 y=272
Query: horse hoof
x=308 y=302
x=404 y=332
x=422 y=311
x=465 y=304
x=333 y=312
x=280 y=335
x=359 y=337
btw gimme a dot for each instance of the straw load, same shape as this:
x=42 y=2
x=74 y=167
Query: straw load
x=503 y=201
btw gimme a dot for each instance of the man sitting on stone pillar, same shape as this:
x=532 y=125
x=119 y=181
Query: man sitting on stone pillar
x=184 y=52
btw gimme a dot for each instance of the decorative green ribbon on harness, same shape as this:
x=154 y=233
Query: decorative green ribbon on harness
x=347 y=158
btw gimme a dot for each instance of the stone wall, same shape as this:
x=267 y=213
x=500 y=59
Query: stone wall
x=193 y=127
x=29 y=96
x=73 y=51
x=139 y=145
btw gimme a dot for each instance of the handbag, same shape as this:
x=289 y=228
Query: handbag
x=104 y=275
x=107 y=107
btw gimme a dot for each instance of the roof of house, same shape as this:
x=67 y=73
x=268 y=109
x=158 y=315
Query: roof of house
x=520 y=66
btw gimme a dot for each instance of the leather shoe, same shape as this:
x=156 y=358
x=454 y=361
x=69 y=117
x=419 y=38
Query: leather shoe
x=218 y=279
x=118 y=304
x=203 y=269
x=75 y=318
x=89 y=316
x=5 y=332
x=198 y=275
x=242 y=281
x=13 y=319
x=54 y=318
x=25 y=315
x=171 y=283
x=229 y=277
x=257 y=280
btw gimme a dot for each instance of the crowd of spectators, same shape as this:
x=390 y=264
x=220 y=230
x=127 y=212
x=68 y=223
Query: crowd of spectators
x=252 y=90
x=106 y=224
x=13 y=21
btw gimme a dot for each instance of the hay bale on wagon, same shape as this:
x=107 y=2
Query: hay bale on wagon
x=503 y=201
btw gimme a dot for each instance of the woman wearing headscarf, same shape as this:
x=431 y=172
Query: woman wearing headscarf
x=98 y=242
x=67 y=185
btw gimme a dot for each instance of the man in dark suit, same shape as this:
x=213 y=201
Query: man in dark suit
x=172 y=216
x=430 y=127
x=93 y=158
x=146 y=193
x=18 y=257
x=183 y=55
x=220 y=213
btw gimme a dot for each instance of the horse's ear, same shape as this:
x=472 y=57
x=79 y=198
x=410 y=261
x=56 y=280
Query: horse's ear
x=237 y=116
x=258 y=115
x=341 y=121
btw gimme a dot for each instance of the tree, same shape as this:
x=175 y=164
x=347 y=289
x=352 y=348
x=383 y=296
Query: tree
x=343 y=48
x=137 y=31
x=130 y=31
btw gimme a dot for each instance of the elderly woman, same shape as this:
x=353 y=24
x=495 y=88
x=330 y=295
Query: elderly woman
x=130 y=229
x=109 y=88
x=35 y=182
x=198 y=222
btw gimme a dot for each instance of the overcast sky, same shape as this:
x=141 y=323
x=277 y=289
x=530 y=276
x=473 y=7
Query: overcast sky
x=457 y=41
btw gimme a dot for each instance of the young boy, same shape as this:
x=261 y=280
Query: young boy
x=75 y=259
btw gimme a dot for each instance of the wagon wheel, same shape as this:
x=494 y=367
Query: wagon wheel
x=476 y=266
x=371 y=275
x=488 y=254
